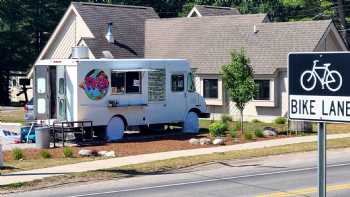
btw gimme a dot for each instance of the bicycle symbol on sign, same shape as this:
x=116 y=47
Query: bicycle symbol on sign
x=331 y=78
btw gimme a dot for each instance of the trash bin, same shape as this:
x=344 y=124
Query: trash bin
x=42 y=137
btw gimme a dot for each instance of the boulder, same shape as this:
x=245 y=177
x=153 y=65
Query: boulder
x=194 y=141
x=101 y=153
x=218 y=141
x=85 y=153
x=268 y=133
x=204 y=141
x=109 y=154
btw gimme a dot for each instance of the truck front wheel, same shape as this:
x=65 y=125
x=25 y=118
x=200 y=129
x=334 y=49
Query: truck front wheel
x=115 y=129
x=191 y=123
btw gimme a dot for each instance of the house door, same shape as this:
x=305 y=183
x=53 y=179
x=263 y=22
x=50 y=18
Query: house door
x=42 y=92
x=61 y=93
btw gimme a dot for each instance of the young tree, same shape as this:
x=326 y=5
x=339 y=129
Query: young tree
x=239 y=81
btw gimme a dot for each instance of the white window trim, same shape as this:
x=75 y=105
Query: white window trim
x=212 y=101
x=271 y=102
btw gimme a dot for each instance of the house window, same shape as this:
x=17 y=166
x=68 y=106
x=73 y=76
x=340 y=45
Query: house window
x=210 y=88
x=177 y=83
x=263 y=87
x=125 y=82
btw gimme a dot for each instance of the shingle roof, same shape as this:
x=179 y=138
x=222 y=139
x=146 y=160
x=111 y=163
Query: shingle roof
x=128 y=27
x=207 y=41
x=206 y=10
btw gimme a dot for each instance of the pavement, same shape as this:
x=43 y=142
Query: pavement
x=30 y=175
x=285 y=175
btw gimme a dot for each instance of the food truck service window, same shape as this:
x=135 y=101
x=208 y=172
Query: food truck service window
x=125 y=82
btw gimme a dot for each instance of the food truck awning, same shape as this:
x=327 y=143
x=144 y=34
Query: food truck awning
x=134 y=70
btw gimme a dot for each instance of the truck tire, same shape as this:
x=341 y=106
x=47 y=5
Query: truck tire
x=115 y=129
x=191 y=123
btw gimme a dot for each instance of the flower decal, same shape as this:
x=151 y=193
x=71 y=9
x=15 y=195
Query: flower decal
x=95 y=84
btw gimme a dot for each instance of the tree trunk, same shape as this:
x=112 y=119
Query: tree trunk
x=341 y=14
x=241 y=122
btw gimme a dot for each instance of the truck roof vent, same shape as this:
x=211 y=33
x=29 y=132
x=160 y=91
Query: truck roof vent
x=107 y=54
x=80 y=52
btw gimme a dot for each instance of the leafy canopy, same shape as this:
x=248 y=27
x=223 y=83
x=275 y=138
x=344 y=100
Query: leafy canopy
x=238 y=77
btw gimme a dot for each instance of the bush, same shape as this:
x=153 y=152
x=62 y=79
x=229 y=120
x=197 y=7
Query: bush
x=259 y=133
x=256 y=121
x=45 y=154
x=217 y=129
x=233 y=132
x=237 y=126
x=68 y=152
x=17 y=154
x=225 y=118
x=280 y=120
x=248 y=135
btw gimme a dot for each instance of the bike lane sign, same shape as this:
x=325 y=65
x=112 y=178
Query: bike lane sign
x=319 y=86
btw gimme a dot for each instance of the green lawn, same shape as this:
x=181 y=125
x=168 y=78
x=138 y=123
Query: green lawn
x=12 y=116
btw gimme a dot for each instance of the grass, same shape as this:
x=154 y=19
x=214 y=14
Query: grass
x=12 y=116
x=169 y=164
x=42 y=163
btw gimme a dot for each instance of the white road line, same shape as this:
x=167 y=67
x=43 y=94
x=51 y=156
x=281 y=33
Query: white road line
x=207 y=181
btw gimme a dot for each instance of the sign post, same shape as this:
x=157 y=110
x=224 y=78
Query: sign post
x=318 y=90
x=322 y=162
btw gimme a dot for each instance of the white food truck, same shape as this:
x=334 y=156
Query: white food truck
x=118 y=94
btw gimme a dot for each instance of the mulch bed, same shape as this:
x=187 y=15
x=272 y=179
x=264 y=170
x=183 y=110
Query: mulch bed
x=140 y=144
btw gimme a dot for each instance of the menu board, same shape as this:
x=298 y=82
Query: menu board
x=156 y=85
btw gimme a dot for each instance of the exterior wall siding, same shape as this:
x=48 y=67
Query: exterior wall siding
x=72 y=31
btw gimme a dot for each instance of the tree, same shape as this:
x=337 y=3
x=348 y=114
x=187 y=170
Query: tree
x=239 y=81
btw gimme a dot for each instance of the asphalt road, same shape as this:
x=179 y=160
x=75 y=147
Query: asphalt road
x=283 y=175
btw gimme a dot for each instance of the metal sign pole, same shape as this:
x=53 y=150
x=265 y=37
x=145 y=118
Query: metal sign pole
x=322 y=162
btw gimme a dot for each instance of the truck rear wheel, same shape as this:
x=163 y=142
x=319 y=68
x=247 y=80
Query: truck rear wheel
x=191 y=123
x=115 y=129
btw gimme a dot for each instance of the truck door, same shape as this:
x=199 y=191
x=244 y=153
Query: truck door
x=61 y=93
x=42 y=92
x=177 y=96
x=192 y=98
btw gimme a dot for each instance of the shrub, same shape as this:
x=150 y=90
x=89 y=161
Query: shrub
x=45 y=154
x=248 y=135
x=217 y=129
x=256 y=121
x=225 y=118
x=259 y=133
x=68 y=152
x=17 y=154
x=237 y=126
x=280 y=120
x=233 y=132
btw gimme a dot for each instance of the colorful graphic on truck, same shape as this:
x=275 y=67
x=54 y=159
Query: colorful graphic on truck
x=95 y=84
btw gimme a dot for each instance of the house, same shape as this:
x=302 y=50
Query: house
x=205 y=10
x=207 y=42
x=86 y=24
x=205 y=38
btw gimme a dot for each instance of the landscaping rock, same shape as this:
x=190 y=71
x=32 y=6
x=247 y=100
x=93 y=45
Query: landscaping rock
x=102 y=153
x=194 y=141
x=85 y=153
x=109 y=154
x=219 y=141
x=268 y=131
x=204 y=141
